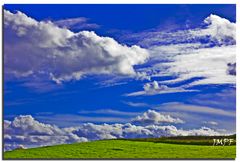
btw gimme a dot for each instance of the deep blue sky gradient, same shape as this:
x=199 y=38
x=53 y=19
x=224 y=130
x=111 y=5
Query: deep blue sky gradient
x=86 y=94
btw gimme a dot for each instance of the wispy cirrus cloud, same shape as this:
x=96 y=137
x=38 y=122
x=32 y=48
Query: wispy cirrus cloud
x=205 y=55
x=177 y=106
x=225 y=99
x=137 y=104
x=185 y=62
x=211 y=123
x=109 y=112
x=214 y=30
x=79 y=23
x=211 y=64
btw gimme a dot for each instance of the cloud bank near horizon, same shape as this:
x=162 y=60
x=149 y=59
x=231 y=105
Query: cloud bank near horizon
x=25 y=131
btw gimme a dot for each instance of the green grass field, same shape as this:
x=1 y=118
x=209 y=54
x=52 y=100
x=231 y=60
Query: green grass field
x=128 y=149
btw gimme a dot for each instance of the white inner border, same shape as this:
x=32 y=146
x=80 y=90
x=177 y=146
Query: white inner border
x=134 y=2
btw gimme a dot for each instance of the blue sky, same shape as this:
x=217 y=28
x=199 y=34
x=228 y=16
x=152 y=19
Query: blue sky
x=182 y=69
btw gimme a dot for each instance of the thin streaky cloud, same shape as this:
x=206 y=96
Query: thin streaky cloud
x=109 y=112
x=78 y=23
x=176 y=106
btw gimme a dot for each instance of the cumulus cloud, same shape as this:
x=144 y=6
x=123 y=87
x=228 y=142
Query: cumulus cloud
x=153 y=88
x=129 y=130
x=26 y=132
x=152 y=117
x=219 y=29
x=96 y=132
x=33 y=48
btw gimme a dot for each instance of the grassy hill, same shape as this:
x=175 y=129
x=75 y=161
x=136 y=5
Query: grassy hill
x=156 y=148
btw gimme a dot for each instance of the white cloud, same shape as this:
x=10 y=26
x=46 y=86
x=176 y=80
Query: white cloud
x=137 y=104
x=96 y=132
x=76 y=23
x=219 y=29
x=153 y=88
x=152 y=117
x=203 y=131
x=201 y=108
x=210 y=123
x=25 y=132
x=33 y=48
x=177 y=106
x=112 y=131
x=182 y=62
x=109 y=112
x=209 y=63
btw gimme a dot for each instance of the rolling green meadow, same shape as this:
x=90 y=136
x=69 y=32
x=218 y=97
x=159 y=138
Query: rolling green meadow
x=151 y=148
